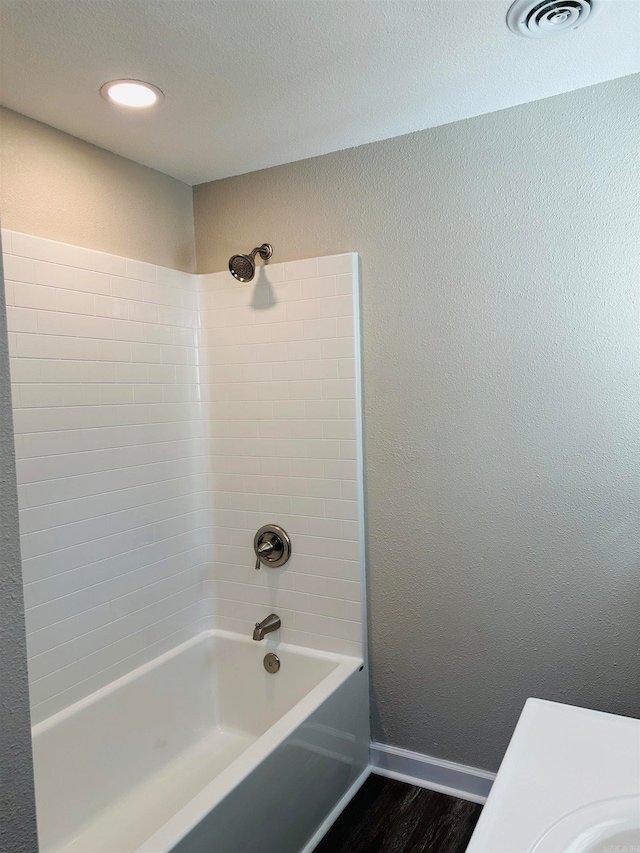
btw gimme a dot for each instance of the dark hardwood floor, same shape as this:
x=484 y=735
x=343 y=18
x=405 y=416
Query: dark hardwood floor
x=387 y=816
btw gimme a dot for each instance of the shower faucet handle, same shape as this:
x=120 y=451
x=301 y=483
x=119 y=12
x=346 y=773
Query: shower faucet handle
x=272 y=546
x=262 y=550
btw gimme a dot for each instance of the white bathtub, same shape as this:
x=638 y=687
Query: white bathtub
x=203 y=750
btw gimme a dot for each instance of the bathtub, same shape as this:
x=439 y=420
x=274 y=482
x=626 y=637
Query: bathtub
x=203 y=750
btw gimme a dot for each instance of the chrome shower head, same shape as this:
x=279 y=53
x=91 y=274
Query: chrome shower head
x=243 y=267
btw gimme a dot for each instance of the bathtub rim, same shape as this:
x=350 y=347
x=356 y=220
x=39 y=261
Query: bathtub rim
x=168 y=834
x=60 y=716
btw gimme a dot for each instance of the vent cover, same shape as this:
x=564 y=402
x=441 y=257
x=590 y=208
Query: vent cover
x=546 y=18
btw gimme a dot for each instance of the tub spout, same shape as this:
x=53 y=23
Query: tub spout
x=271 y=623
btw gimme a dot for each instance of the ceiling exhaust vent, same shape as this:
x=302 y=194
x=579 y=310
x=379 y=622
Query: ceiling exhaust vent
x=540 y=20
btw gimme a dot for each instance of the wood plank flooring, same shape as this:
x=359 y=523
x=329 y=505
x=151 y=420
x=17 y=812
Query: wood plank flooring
x=387 y=816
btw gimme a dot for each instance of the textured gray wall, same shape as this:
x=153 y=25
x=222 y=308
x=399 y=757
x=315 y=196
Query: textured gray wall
x=56 y=186
x=500 y=268
x=17 y=806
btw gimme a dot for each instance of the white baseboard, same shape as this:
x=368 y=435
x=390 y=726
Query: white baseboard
x=335 y=812
x=447 y=777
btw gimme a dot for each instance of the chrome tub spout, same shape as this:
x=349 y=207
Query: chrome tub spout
x=271 y=623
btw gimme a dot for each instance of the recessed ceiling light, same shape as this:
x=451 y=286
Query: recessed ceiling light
x=131 y=93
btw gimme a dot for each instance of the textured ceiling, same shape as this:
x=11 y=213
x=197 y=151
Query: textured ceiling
x=255 y=84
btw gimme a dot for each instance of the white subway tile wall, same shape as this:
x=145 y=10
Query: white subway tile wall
x=279 y=380
x=161 y=418
x=112 y=462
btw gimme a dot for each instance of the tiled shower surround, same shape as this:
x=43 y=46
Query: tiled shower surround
x=111 y=459
x=161 y=418
x=278 y=373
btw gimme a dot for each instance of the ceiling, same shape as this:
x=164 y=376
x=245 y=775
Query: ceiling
x=255 y=83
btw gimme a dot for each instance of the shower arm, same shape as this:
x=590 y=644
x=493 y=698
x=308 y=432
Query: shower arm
x=265 y=251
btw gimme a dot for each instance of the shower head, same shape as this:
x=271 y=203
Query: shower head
x=243 y=267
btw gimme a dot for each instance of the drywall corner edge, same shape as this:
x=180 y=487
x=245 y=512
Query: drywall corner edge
x=17 y=800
